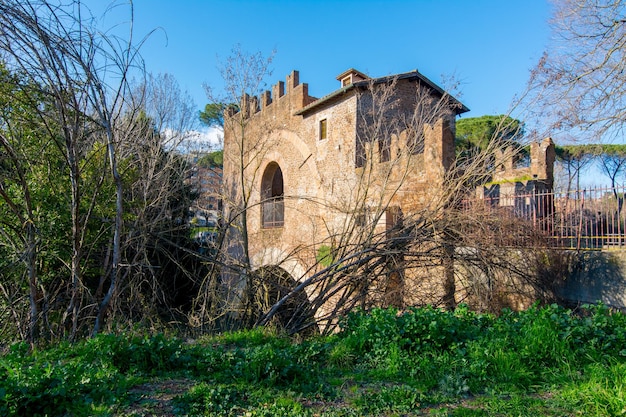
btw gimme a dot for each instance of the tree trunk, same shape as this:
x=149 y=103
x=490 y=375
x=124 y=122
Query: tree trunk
x=119 y=211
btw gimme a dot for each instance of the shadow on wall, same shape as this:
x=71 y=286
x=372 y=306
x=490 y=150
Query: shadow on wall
x=598 y=277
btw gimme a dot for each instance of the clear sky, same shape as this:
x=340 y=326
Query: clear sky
x=488 y=45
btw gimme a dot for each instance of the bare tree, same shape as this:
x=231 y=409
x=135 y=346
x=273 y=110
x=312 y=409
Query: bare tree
x=575 y=160
x=579 y=80
x=82 y=76
x=243 y=75
x=613 y=163
x=160 y=262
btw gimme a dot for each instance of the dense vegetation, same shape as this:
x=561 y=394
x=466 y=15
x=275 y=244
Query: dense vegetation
x=94 y=193
x=544 y=361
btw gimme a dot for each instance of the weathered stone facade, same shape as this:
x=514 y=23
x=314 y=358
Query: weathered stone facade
x=526 y=189
x=312 y=166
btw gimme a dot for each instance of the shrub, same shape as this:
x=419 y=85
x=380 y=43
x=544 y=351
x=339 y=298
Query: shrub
x=148 y=355
x=415 y=331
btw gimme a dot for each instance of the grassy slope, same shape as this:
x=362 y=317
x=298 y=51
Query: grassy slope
x=545 y=361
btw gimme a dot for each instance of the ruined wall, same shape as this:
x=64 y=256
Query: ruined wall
x=571 y=278
x=523 y=189
x=541 y=168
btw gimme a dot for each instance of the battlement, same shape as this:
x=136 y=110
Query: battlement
x=542 y=156
x=289 y=93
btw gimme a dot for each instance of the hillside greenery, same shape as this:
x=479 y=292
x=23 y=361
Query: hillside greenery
x=546 y=361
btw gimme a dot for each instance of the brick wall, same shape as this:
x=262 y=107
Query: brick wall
x=323 y=188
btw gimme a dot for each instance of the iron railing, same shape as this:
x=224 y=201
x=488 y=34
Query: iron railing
x=590 y=219
x=273 y=213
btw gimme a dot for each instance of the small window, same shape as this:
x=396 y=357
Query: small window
x=323 y=129
x=393 y=220
x=346 y=81
x=360 y=220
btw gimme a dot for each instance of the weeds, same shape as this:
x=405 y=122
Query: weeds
x=543 y=361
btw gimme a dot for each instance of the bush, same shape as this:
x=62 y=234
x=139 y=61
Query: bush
x=417 y=330
x=150 y=355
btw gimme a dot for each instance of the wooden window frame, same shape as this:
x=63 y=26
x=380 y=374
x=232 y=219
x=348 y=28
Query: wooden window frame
x=323 y=129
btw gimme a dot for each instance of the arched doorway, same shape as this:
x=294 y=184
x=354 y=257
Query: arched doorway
x=272 y=197
x=266 y=286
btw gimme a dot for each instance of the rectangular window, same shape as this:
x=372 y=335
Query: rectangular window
x=393 y=220
x=323 y=129
x=360 y=220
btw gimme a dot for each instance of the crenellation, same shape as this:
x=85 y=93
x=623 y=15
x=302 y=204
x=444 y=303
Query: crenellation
x=374 y=150
x=295 y=95
x=300 y=95
x=230 y=111
x=402 y=143
x=293 y=80
x=254 y=105
x=278 y=90
x=542 y=156
x=542 y=159
x=244 y=106
x=394 y=150
x=266 y=99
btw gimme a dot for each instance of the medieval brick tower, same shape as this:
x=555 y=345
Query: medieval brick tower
x=301 y=172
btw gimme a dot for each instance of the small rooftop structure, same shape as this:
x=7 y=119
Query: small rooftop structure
x=351 y=76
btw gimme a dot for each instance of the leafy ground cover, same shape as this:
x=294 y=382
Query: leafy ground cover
x=546 y=361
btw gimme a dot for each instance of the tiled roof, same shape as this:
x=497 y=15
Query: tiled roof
x=460 y=107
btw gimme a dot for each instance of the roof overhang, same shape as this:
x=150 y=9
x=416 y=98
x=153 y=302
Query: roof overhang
x=413 y=75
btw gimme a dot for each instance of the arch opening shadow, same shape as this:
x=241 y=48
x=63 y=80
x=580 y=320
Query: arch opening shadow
x=266 y=286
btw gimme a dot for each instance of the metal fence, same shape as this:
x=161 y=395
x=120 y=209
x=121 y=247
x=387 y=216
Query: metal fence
x=588 y=219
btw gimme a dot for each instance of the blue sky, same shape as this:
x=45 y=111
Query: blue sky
x=488 y=45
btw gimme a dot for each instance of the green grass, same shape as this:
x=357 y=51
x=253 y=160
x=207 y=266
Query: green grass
x=546 y=361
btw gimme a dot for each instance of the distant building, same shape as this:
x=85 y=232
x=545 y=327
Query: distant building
x=206 y=183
